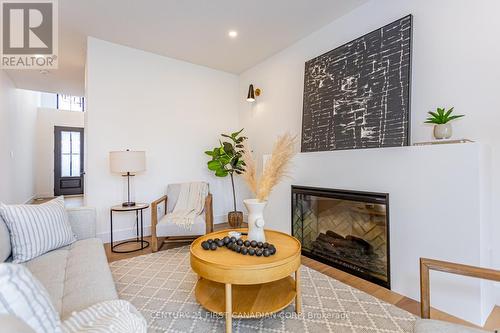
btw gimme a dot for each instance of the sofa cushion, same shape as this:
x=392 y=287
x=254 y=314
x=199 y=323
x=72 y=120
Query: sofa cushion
x=23 y=296
x=76 y=276
x=111 y=316
x=82 y=221
x=437 y=326
x=36 y=229
x=5 y=248
x=13 y=324
x=50 y=270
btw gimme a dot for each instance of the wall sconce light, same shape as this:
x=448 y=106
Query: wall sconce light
x=253 y=93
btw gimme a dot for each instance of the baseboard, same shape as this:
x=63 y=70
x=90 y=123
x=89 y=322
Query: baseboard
x=123 y=234
x=30 y=199
x=218 y=219
x=44 y=195
x=223 y=219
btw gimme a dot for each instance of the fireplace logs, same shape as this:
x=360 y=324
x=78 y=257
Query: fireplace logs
x=350 y=242
x=350 y=248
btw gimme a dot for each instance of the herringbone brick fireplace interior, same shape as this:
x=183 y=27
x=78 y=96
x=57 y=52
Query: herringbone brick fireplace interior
x=348 y=230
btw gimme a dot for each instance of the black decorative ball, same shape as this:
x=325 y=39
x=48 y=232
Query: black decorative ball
x=237 y=248
x=239 y=242
x=216 y=240
x=220 y=243
x=272 y=250
x=205 y=245
x=253 y=243
x=226 y=240
x=233 y=239
x=266 y=253
x=244 y=250
x=265 y=245
x=258 y=252
x=259 y=245
x=213 y=246
x=246 y=243
x=251 y=251
x=210 y=241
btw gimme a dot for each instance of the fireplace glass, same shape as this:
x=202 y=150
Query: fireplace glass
x=348 y=230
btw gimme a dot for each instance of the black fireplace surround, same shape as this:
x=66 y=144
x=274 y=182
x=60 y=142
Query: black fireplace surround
x=348 y=230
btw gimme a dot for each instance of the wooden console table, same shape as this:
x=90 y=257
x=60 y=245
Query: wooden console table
x=243 y=286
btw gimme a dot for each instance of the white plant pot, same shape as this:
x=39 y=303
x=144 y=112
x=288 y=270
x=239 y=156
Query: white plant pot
x=256 y=219
x=443 y=131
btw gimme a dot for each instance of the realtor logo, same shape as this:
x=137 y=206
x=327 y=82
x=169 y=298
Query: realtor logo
x=29 y=34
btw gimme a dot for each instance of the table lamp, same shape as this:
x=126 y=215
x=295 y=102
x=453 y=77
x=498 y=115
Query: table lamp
x=127 y=163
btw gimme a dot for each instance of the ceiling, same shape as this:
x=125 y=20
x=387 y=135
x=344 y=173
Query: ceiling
x=191 y=30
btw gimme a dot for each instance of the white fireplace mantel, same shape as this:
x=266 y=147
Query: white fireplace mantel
x=439 y=208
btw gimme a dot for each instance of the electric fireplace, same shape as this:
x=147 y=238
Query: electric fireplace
x=348 y=230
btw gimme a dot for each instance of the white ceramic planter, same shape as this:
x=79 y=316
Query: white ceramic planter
x=443 y=131
x=256 y=219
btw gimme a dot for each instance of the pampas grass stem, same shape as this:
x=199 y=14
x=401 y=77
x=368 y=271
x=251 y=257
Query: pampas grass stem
x=275 y=169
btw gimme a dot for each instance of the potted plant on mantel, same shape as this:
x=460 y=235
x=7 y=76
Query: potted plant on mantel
x=227 y=160
x=441 y=120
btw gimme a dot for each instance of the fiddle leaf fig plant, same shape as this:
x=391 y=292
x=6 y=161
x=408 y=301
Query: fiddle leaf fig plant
x=227 y=158
x=441 y=116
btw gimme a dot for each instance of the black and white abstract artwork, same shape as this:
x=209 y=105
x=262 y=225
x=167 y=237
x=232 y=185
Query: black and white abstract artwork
x=358 y=95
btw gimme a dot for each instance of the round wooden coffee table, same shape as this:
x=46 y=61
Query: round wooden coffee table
x=243 y=286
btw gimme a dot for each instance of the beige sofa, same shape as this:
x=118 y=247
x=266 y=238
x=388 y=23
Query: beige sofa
x=76 y=276
x=437 y=326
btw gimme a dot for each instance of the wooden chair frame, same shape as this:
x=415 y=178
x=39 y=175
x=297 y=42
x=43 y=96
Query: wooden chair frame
x=157 y=242
x=426 y=265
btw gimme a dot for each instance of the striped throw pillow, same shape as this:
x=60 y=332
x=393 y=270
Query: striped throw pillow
x=37 y=229
x=117 y=316
x=23 y=296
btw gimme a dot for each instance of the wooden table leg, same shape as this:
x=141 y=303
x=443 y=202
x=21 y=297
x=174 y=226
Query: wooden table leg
x=298 y=293
x=229 y=308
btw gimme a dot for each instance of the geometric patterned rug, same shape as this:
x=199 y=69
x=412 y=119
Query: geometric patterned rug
x=161 y=286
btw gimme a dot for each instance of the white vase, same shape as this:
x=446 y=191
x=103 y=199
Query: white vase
x=442 y=131
x=256 y=219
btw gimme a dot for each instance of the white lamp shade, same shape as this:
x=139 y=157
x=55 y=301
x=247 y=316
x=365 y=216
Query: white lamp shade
x=127 y=161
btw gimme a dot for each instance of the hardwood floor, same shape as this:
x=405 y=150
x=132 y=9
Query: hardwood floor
x=384 y=294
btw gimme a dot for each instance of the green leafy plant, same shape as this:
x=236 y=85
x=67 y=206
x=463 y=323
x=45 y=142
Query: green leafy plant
x=441 y=116
x=227 y=158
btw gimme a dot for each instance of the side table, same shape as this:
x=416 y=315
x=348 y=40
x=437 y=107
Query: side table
x=138 y=209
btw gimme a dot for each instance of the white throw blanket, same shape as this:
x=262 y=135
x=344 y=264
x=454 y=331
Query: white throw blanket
x=190 y=204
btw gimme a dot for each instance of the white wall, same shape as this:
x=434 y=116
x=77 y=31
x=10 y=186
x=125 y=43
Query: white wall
x=48 y=100
x=432 y=214
x=17 y=141
x=454 y=63
x=171 y=109
x=47 y=119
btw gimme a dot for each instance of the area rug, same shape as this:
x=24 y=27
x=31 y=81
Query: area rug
x=161 y=286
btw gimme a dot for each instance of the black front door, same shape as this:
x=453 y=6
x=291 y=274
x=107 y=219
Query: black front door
x=68 y=160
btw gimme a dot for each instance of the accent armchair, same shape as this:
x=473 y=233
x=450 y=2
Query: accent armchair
x=427 y=325
x=163 y=230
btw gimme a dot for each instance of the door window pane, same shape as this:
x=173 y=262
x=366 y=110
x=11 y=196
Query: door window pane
x=75 y=165
x=75 y=142
x=70 y=154
x=65 y=165
x=66 y=142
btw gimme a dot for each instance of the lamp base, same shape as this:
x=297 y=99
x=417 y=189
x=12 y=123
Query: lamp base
x=128 y=204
